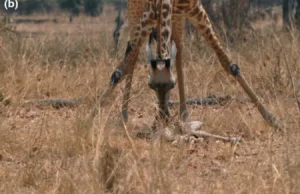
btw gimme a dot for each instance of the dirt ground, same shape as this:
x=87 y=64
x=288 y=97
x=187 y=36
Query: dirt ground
x=48 y=150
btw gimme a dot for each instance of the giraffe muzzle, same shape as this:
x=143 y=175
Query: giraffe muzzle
x=162 y=86
x=161 y=76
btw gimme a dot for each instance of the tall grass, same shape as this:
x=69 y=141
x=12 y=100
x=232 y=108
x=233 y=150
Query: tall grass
x=44 y=150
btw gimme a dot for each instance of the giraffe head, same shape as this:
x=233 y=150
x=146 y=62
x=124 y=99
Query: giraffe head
x=161 y=78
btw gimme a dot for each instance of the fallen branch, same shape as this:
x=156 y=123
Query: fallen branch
x=35 y=21
x=73 y=102
x=211 y=100
x=57 y=103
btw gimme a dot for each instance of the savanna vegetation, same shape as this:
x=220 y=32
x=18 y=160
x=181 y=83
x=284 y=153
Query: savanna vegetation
x=50 y=150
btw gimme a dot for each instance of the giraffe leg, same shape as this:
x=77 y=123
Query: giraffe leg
x=126 y=95
x=200 y=20
x=135 y=12
x=177 y=32
x=128 y=81
x=141 y=31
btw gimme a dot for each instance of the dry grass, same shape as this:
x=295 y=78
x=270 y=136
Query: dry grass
x=44 y=150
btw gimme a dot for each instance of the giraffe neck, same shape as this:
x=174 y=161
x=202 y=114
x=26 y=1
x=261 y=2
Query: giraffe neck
x=159 y=35
x=164 y=8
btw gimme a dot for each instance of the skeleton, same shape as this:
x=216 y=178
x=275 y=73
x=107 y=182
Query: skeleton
x=181 y=132
x=168 y=16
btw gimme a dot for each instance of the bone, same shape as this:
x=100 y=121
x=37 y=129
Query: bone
x=193 y=128
x=191 y=132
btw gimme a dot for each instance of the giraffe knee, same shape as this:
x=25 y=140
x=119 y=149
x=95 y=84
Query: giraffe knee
x=115 y=77
x=235 y=70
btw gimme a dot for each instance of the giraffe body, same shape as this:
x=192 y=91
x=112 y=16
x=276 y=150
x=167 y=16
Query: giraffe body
x=168 y=16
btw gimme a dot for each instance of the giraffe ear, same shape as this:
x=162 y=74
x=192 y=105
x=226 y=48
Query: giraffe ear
x=173 y=52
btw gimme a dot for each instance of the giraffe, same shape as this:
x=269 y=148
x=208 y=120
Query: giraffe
x=168 y=16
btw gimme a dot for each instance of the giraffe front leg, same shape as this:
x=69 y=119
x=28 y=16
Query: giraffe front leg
x=115 y=79
x=140 y=31
x=138 y=36
x=177 y=32
x=128 y=83
x=135 y=11
x=126 y=97
x=126 y=68
x=200 y=20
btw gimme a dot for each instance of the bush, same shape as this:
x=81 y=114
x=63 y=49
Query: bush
x=93 y=7
x=30 y=6
x=235 y=13
x=68 y=4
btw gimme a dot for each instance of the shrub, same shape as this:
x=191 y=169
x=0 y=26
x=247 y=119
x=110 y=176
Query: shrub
x=92 y=7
